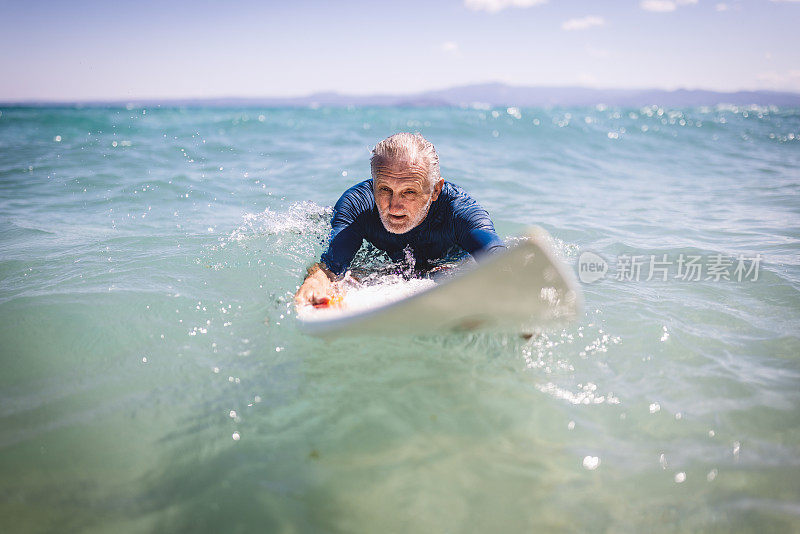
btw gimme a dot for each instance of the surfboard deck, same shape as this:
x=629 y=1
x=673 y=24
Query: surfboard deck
x=523 y=289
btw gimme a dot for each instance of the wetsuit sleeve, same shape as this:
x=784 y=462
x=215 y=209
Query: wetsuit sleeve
x=347 y=232
x=475 y=231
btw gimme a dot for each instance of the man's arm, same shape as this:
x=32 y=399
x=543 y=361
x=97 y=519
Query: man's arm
x=481 y=242
x=475 y=231
x=345 y=240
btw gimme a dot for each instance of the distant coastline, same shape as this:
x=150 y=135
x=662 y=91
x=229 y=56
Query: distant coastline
x=477 y=95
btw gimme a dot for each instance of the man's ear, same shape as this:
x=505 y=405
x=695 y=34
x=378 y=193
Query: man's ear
x=437 y=188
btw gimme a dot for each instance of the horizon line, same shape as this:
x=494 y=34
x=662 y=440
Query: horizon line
x=342 y=94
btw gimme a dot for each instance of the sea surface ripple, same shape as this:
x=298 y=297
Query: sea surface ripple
x=154 y=379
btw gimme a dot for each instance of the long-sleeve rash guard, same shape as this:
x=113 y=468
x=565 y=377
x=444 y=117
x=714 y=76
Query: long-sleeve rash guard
x=454 y=220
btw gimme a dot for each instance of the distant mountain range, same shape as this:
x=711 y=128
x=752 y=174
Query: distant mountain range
x=491 y=94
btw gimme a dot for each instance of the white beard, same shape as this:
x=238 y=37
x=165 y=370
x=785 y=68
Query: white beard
x=413 y=223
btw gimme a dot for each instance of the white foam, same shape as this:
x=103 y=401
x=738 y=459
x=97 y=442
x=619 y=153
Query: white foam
x=301 y=217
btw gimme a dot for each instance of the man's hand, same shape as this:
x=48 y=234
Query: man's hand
x=316 y=288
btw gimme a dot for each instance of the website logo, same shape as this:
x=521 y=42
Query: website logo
x=591 y=267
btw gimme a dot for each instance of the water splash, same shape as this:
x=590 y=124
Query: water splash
x=301 y=218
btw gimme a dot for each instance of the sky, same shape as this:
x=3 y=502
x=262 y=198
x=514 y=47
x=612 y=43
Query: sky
x=87 y=50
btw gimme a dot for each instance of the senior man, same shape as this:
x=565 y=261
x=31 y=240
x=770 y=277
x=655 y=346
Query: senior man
x=405 y=206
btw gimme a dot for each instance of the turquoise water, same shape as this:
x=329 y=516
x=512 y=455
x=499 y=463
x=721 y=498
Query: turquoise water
x=154 y=379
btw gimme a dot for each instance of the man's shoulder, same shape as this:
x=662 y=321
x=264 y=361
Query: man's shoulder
x=360 y=189
x=365 y=185
x=456 y=196
x=358 y=196
x=462 y=210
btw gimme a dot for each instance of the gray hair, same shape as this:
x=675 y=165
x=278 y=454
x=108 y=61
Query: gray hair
x=407 y=147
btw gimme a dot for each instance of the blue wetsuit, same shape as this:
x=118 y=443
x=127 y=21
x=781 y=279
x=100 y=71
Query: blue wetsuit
x=454 y=220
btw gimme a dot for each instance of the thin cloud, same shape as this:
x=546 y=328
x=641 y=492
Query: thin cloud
x=658 y=6
x=721 y=7
x=583 y=23
x=449 y=47
x=664 y=6
x=493 y=6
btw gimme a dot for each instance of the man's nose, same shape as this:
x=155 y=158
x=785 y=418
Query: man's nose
x=395 y=204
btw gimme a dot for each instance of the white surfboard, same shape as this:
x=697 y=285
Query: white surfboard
x=520 y=290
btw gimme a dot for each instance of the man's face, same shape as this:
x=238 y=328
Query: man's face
x=403 y=195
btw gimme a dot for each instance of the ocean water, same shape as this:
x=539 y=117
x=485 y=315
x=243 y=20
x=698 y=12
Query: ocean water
x=153 y=378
